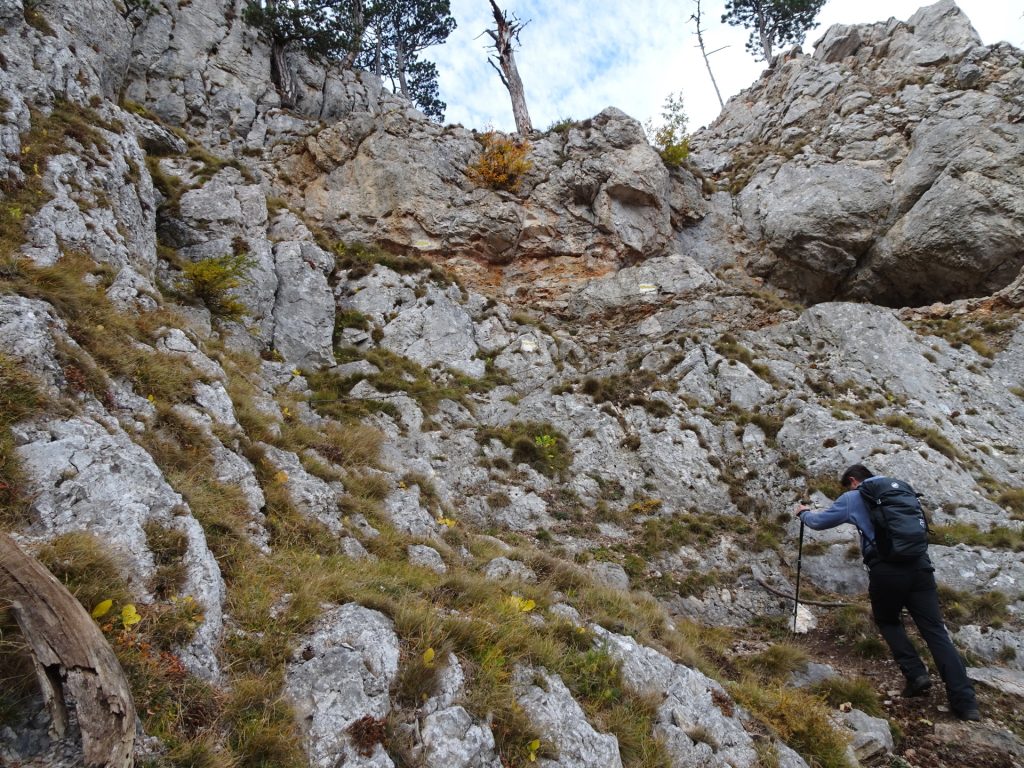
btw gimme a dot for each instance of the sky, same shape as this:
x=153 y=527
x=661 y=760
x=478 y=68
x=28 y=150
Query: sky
x=577 y=57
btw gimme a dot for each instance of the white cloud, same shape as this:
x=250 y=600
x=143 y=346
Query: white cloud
x=578 y=57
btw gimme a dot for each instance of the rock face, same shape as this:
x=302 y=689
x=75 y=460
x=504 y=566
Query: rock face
x=597 y=195
x=623 y=455
x=884 y=166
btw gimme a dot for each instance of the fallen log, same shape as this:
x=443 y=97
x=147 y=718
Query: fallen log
x=74 y=663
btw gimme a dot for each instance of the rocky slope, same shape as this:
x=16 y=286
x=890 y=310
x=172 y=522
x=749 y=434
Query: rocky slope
x=883 y=167
x=509 y=482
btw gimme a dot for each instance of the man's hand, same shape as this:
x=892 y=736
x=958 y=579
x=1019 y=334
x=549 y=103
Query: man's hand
x=800 y=509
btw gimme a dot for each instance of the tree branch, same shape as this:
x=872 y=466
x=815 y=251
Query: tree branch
x=816 y=603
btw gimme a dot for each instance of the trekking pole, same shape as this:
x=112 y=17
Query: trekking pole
x=799 y=565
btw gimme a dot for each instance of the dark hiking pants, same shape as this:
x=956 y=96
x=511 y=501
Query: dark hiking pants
x=894 y=587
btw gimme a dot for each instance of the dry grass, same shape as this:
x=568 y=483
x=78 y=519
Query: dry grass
x=20 y=398
x=798 y=718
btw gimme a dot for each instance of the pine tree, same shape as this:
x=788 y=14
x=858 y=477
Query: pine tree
x=772 y=22
x=400 y=31
x=383 y=36
x=325 y=29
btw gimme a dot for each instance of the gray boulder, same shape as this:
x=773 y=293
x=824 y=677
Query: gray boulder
x=87 y=476
x=303 y=305
x=561 y=721
x=341 y=673
x=690 y=719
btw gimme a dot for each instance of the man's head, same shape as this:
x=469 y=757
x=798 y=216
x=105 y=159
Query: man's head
x=854 y=476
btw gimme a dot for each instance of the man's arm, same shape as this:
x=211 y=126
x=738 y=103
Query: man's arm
x=837 y=514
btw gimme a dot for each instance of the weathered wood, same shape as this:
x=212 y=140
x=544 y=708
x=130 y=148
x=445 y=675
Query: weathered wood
x=505 y=37
x=696 y=17
x=73 y=661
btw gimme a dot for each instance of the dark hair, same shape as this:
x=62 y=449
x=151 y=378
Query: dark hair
x=855 y=472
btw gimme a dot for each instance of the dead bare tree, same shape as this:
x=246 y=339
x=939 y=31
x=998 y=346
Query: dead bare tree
x=506 y=38
x=700 y=42
x=72 y=659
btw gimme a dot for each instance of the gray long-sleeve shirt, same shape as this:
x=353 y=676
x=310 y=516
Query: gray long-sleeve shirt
x=848 y=508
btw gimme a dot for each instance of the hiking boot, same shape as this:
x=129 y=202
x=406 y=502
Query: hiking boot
x=917 y=687
x=970 y=714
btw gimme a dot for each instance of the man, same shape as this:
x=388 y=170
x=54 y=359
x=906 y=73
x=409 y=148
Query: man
x=893 y=587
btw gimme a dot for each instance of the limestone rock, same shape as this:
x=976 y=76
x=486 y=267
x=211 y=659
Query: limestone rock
x=647 y=283
x=452 y=739
x=871 y=735
x=342 y=672
x=690 y=718
x=426 y=557
x=304 y=305
x=310 y=495
x=561 y=721
x=435 y=330
x=503 y=568
x=87 y=476
x=883 y=166
x=995 y=646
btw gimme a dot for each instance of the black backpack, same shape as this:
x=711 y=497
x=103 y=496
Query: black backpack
x=901 y=529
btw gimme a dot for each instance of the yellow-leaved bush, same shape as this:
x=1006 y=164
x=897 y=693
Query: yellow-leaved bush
x=211 y=280
x=502 y=163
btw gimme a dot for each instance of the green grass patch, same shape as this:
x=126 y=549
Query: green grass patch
x=662 y=534
x=538 y=444
x=984 y=608
x=997 y=537
x=47 y=136
x=360 y=259
x=776 y=663
x=75 y=287
x=20 y=398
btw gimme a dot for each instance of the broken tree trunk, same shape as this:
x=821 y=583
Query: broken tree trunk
x=703 y=52
x=73 y=661
x=504 y=38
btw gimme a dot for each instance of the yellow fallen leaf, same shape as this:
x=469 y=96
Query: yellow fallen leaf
x=428 y=656
x=521 y=604
x=129 y=616
x=102 y=609
x=535 y=745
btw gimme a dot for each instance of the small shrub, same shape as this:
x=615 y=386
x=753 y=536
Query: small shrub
x=20 y=397
x=168 y=546
x=502 y=163
x=562 y=125
x=538 y=444
x=870 y=647
x=367 y=732
x=858 y=691
x=210 y=281
x=174 y=624
x=777 y=662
